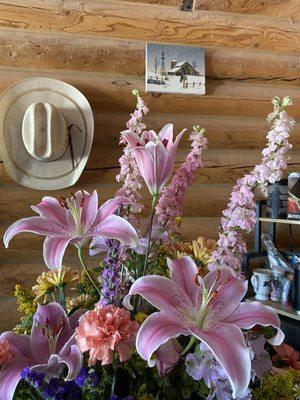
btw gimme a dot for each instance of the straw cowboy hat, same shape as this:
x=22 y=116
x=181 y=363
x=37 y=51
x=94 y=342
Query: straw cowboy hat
x=46 y=133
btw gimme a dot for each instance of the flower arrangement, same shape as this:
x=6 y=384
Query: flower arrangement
x=157 y=318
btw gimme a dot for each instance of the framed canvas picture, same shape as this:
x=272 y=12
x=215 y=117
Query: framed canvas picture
x=175 y=69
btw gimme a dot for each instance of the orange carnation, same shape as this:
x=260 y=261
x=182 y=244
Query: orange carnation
x=104 y=331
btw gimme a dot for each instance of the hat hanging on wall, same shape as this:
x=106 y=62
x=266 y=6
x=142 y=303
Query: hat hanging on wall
x=46 y=133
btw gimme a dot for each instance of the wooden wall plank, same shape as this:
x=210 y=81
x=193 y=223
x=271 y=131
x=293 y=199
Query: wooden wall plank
x=224 y=166
x=106 y=92
x=289 y=9
x=223 y=132
x=118 y=19
x=46 y=51
x=174 y=3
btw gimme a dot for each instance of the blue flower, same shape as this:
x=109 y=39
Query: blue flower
x=34 y=378
x=93 y=379
x=54 y=390
x=82 y=377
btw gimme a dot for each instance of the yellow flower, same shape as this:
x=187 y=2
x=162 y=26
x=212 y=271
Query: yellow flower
x=145 y=396
x=25 y=300
x=82 y=301
x=200 y=250
x=49 y=281
x=140 y=317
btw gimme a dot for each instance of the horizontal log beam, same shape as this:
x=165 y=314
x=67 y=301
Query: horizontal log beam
x=222 y=132
x=9 y=315
x=118 y=19
x=108 y=93
x=224 y=166
x=44 y=51
x=287 y=9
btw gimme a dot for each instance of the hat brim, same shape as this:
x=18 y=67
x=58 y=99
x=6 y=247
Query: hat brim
x=73 y=105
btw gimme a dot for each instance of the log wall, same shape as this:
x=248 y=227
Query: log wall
x=252 y=53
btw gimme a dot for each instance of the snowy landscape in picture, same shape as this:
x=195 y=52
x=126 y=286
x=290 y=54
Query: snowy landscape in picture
x=175 y=69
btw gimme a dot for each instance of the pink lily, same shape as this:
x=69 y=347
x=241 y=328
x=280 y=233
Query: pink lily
x=167 y=356
x=154 y=155
x=208 y=309
x=73 y=220
x=50 y=348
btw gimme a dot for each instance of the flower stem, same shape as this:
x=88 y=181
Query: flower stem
x=189 y=346
x=30 y=394
x=62 y=296
x=79 y=252
x=154 y=201
x=114 y=382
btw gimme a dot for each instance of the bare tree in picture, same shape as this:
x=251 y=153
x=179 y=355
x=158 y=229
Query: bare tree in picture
x=155 y=64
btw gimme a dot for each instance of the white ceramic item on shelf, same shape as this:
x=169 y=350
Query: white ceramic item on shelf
x=261 y=282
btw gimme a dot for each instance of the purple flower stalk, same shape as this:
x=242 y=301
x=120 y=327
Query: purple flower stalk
x=170 y=205
x=239 y=216
x=111 y=280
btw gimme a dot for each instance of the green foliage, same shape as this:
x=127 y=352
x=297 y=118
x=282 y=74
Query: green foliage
x=25 y=325
x=25 y=392
x=282 y=385
x=145 y=383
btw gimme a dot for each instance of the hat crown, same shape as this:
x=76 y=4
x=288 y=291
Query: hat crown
x=44 y=132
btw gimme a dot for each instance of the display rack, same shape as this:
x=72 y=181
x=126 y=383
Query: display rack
x=257 y=252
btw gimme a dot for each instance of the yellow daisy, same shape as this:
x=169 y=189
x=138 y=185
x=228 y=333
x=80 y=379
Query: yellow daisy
x=200 y=250
x=82 y=301
x=49 y=281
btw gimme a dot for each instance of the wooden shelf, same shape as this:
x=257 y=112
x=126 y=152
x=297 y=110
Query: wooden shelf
x=280 y=221
x=278 y=307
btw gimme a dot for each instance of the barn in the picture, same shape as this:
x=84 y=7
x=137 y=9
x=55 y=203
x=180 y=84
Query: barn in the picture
x=175 y=69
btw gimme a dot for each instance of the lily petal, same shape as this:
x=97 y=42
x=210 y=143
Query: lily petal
x=115 y=227
x=132 y=138
x=156 y=330
x=74 y=318
x=98 y=245
x=169 y=164
x=159 y=291
x=183 y=272
x=54 y=250
x=89 y=209
x=72 y=357
x=228 y=346
x=167 y=356
x=52 y=369
x=10 y=376
x=159 y=154
x=248 y=315
x=53 y=317
x=145 y=162
x=38 y=225
x=226 y=286
x=165 y=135
x=109 y=208
x=50 y=208
x=19 y=345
